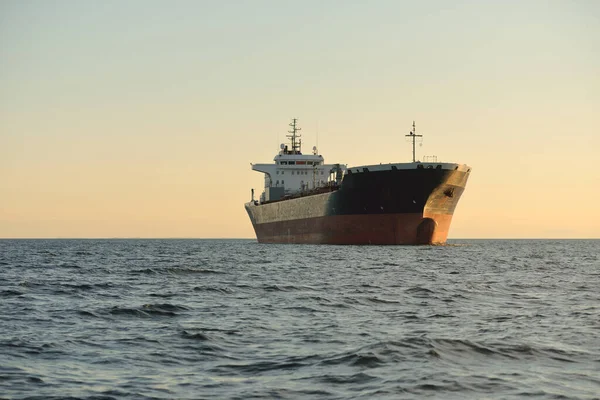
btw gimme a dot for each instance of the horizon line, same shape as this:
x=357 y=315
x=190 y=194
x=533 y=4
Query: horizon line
x=250 y=238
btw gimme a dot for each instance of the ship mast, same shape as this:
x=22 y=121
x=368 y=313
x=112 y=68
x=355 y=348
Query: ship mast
x=414 y=136
x=296 y=145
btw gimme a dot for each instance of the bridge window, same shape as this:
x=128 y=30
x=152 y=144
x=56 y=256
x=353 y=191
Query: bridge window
x=283 y=163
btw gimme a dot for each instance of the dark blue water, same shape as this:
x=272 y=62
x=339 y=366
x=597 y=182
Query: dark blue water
x=233 y=319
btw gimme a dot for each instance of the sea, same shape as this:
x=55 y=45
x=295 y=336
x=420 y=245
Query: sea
x=235 y=319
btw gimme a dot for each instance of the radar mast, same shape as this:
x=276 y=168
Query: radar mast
x=296 y=144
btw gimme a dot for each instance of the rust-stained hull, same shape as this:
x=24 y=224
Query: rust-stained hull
x=386 y=207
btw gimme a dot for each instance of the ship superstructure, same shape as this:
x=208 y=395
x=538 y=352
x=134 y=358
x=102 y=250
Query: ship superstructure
x=294 y=173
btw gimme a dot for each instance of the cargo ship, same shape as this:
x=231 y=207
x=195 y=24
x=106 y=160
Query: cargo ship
x=308 y=201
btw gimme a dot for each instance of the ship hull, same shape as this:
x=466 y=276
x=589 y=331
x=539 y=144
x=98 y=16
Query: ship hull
x=377 y=205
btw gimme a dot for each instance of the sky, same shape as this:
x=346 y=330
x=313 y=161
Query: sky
x=141 y=118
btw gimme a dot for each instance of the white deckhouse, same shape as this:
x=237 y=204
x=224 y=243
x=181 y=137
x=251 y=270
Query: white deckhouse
x=294 y=172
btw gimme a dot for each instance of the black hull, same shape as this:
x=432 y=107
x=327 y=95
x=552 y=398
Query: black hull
x=391 y=206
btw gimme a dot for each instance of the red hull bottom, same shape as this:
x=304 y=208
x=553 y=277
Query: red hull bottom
x=380 y=229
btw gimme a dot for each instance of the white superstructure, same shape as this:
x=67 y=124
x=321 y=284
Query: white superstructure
x=293 y=172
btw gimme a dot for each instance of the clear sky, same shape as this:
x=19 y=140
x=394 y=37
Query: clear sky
x=141 y=118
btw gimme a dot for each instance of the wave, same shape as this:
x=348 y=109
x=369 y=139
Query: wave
x=85 y=313
x=251 y=368
x=463 y=348
x=149 y=310
x=302 y=309
x=385 y=352
x=10 y=293
x=216 y=330
x=357 y=359
x=280 y=288
x=222 y=290
x=419 y=291
x=163 y=295
x=175 y=271
x=83 y=253
x=382 y=301
x=195 y=336
x=91 y=286
x=68 y=266
x=358 y=378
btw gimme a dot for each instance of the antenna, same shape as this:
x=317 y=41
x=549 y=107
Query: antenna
x=296 y=146
x=317 y=135
x=414 y=136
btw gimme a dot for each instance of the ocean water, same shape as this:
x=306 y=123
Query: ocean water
x=234 y=319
